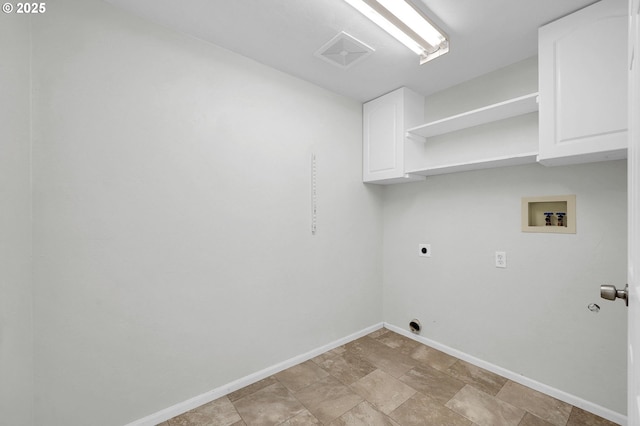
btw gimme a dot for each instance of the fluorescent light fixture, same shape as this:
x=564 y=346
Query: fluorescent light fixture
x=407 y=24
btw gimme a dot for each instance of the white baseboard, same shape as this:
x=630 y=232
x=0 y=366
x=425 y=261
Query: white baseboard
x=190 y=404
x=515 y=377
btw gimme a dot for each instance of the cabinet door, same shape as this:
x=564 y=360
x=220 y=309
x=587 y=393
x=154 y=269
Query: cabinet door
x=583 y=85
x=385 y=121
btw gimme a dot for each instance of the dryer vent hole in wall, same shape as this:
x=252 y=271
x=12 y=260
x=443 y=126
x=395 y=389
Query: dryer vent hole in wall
x=424 y=250
x=415 y=326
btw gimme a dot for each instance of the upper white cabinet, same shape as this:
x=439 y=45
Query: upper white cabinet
x=399 y=147
x=385 y=121
x=583 y=85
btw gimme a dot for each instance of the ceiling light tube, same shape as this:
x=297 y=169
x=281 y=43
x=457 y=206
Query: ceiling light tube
x=407 y=24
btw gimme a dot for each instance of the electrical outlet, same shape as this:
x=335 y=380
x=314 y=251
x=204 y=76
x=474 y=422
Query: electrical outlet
x=424 y=250
x=501 y=259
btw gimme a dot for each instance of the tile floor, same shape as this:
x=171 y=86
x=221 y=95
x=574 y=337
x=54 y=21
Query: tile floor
x=386 y=379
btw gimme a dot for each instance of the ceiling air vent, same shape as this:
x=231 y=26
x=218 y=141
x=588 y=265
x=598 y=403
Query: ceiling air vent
x=344 y=50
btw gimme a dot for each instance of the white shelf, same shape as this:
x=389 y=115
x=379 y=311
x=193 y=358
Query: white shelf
x=486 y=163
x=511 y=108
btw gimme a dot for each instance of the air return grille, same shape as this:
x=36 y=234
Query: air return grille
x=344 y=51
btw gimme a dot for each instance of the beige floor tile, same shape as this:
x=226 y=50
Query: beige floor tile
x=220 y=412
x=422 y=410
x=580 y=417
x=378 y=333
x=434 y=383
x=302 y=419
x=543 y=406
x=328 y=355
x=531 y=420
x=381 y=356
x=328 y=399
x=433 y=357
x=383 y=390
x=268 y=406
x=484 y=409
x=478 y=377
x=363 y=414
x=301 y=375
x=402 y=344
x=386 y=379
x=347 y=367
x=248 y=390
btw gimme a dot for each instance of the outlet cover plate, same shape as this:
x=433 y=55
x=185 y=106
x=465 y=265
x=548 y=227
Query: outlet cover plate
x=501 y=259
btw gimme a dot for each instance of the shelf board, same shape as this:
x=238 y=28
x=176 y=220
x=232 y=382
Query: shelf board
x=511 y=108
x=487 y=163
x=404 y=179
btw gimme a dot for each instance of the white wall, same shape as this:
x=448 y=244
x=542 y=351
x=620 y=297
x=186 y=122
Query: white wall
x=16 y=325
x=532 y=317
x=173 y=251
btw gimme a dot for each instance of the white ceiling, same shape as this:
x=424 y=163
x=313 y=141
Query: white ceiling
x=484 y=35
